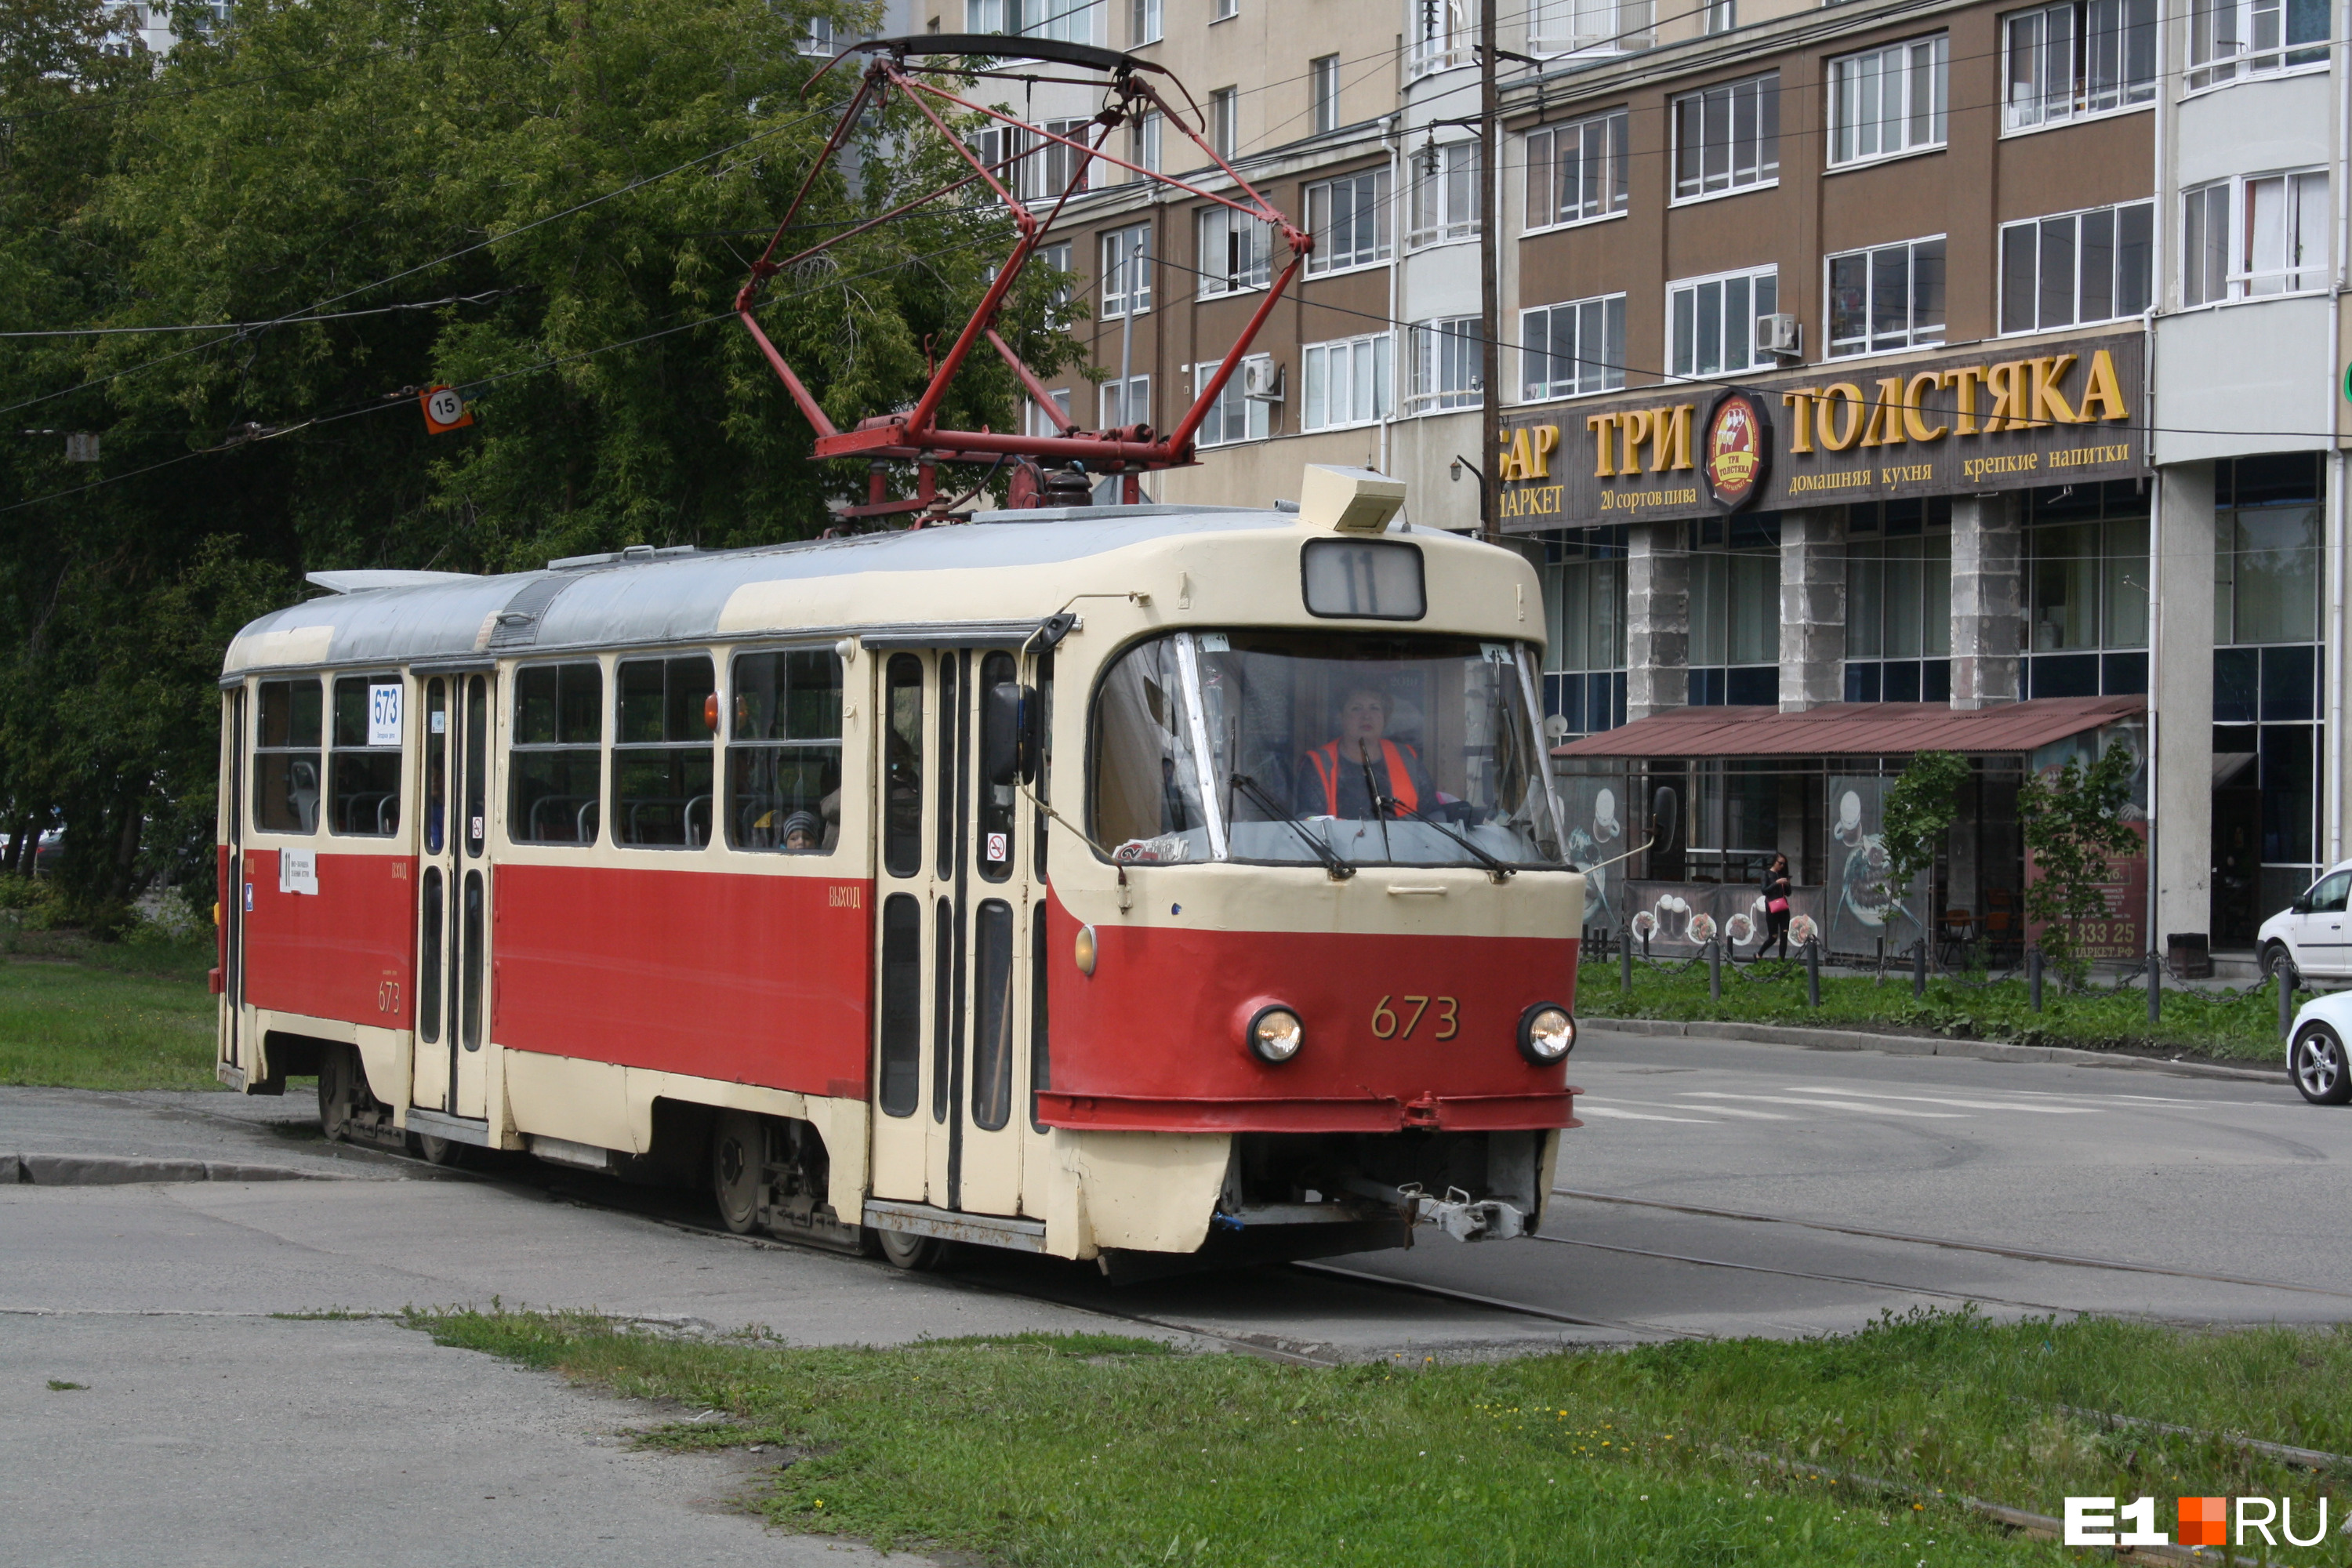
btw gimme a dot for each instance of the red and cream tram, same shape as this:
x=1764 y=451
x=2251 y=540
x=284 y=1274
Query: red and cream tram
x=1098 y=882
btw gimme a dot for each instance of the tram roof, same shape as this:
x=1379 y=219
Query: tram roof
x=643 y=596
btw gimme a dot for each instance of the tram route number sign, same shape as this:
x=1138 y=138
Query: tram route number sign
x=444 y=410
x=384 y=715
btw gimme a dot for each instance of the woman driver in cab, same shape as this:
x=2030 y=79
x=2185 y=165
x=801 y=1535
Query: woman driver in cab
x=1343 y=776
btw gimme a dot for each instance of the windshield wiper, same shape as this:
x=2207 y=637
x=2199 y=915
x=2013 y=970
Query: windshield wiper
x=1497 y=868
x=1341 y=871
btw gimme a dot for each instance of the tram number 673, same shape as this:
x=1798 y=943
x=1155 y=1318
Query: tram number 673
x=1387 y=1026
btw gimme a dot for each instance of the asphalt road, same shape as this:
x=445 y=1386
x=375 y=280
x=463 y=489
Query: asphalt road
x=1715 y=1189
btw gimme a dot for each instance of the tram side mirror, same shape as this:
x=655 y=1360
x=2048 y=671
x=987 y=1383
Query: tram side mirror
x=1009 y=734
x=1662 y=818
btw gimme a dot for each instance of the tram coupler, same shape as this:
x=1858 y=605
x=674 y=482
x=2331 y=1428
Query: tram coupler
x=1465 y=1218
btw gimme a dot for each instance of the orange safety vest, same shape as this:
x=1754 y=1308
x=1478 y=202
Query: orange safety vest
x=1326 y=758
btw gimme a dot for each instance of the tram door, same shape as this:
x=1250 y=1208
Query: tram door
x=232 y=892
x=954 y=888
x=452 y=897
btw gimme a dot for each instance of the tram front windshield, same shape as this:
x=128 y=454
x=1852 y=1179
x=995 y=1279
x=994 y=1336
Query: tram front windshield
x=1382 y=749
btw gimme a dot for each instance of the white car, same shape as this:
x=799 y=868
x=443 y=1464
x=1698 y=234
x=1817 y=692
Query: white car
x=2312 y=931
x=2315 y=1056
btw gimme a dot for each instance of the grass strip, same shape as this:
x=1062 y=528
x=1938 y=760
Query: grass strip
x=2227 y=1025
x=125 y=1020
x=1053 y=1450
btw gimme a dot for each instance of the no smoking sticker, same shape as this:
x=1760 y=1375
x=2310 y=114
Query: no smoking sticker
x=444 y=410
x=996 y=847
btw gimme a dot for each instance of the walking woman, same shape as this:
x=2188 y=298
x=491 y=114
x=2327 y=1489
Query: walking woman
x=1776 y=906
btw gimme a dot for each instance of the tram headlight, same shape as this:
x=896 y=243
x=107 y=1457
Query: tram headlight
x=1547 y=1034
x=1274 y=1035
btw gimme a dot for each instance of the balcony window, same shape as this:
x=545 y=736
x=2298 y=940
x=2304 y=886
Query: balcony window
x=1448 y=366
x=2086 y=57
x=1884 y=102
x=1727 y=137
x=2233 y=39
x=1445 y=187
x=1347 y=381
x=1711 y=321
x=2253 y=236
x=1126 y=270
x=1236 y=252
x=2077 y=268
x=1576 y=171
x=1574 y=348
x=1350 y=219
x=1889 y=296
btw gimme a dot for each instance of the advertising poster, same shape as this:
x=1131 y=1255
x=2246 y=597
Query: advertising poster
x=2122 y=933
x=1677 y=919
x=1864 y=907
x=1595 y=807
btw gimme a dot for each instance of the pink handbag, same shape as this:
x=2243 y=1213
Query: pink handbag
x=1776 y=905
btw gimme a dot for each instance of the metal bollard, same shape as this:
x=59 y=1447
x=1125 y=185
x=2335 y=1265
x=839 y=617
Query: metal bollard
x=2286 y=981
x=1714 y=970
x=1919 y=969
x=1882 y=961
x=2155 y=988
x=1625 y=960
x=1813 y=974
x=2034 y=976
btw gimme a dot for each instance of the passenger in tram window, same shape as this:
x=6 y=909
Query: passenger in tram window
x=1339 y=777
x=804 y=832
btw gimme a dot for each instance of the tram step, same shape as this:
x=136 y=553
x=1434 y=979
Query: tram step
x=988 y=1229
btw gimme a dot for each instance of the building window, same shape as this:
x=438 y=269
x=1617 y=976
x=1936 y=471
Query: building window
x=1126 y=270
x=1224 y=122
x=1887 y=101
x=1233 y=417
x=818 y=38
x=1574 y=348
x=1711 y=321
x=1735 y=610
x=2079 y=267
x=1890 y=296
x=1445 y=187
x=1722 y=15
x=1898 y=602
x=1068 y=21
x=1727 y=137
x=1347 y=381
x=1323 y=78
x=1236 y=252
x=2228 y=38
x=1448 y=366
x=1350 y=219
x=1126 y=403
x=2268 y=683
x=2253 y=236
x=2079 y=57
x=1576 y=171
x=1143 y=142
x=1584 y=658
x=2086 y=574
x=1143 y=24
x=1441 y=33
x=1576 y=27
x=1225 y=10
x=1057 y=165
x=1041 y=424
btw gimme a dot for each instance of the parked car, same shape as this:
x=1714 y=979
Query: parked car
x=2315 y=1056
x=2312 y=931
x=48 y=851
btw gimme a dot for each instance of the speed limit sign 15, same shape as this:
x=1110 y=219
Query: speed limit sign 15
x=444 y=410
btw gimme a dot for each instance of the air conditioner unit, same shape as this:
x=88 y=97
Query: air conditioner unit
x=1780 y=334
x=1261 y=381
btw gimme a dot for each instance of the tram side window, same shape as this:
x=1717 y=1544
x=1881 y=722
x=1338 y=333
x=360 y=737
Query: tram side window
x=661 y=752
x=902 y=781
x=286 y=757
x=556 y=760
x=363 y=770
x=783 y=751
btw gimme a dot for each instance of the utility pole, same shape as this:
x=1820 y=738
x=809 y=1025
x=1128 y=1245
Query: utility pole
x=1490 y=282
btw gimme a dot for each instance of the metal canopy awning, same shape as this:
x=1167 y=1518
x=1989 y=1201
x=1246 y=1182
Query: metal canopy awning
x=1855 y=729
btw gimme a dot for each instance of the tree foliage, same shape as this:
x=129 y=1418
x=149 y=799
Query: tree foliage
x=549 y=204
x=1920 y=809
x=2073 y=823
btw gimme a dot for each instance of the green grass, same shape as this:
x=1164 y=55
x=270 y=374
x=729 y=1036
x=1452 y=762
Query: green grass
x=1054 y=1451
x=2226 y=1025
x=110 y=1015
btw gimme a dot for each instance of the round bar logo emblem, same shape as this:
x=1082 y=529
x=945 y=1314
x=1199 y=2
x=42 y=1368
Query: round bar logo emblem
x=1737 y=447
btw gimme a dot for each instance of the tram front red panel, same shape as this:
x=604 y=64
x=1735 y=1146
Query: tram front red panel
x=1153 y=1039
x=748 y=979
x=344 y=951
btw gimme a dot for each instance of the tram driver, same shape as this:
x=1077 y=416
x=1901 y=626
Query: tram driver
x=1339 y=777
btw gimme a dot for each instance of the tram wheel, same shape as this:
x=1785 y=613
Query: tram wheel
x=435 y=1151
x=915 y=1254
x=737 y=1147
x=339 y=1090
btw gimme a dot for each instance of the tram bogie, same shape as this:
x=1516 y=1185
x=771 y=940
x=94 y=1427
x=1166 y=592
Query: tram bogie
x=1140 y=884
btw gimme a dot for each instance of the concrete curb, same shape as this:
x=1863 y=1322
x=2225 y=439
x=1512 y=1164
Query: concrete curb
x=117 y=1170
x=1925 y=1045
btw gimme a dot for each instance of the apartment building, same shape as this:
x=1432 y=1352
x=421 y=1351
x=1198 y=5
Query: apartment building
x=1879 y=375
